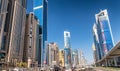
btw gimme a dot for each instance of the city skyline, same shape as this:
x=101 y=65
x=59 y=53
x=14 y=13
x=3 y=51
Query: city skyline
x=76 y=17
x=59 y=35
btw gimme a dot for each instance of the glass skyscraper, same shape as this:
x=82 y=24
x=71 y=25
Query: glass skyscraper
x=67 y=39
x=104 y=33
x=96 y=44
x=74 y=58
x=67 y=58
x=67 y=50
x=40 y=11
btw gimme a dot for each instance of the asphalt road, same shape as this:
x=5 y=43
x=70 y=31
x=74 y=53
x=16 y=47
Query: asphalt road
x=87 y=69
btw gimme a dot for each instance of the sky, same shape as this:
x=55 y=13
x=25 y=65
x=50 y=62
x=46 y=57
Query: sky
x=78 y=17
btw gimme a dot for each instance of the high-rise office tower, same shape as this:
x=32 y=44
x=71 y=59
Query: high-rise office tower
x=75 y=58
x=81 y=58
x=67 y=39
x=67 y=58
x=13 y=29
x=53 y=52
x=3 y=12
x=31 y=42
x=40 y=11
x=104 y=32
x=67 y=49
x=94 y=53
x=98 y=50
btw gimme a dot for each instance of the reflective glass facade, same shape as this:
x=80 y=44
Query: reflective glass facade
x=67 y=39
x=74 y=58
x=67 y=57
x=40 y=11
x=98 y=50
x=104 y=33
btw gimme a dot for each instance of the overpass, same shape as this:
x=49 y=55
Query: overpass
x=111 y=56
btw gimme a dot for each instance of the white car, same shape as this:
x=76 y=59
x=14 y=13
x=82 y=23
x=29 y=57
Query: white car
x=82 y=68
x=16 y=69
x=68 y=70
x=51 y=68
x=43 y=69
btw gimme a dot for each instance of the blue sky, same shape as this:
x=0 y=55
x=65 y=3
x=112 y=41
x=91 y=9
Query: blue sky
x=78 y=16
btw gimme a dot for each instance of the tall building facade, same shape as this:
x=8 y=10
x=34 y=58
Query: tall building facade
x=61 y=58
x=75 y=58
x=104 y=32
x=97 y=50
x=67 y=58
x=12 y=29
x=81 y=58
x=53 y=52
x=67 y=50
x=3 y=12
x=40 y=11
x=31 y=42
x=15 y=26
x=67 y=39
x=94 y=53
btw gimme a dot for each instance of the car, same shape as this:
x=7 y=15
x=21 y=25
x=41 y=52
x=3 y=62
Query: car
x=82 y=68
x=15 y=69
x=68 y=69
x=43 y=69
x=51 y=68
x=57 y=68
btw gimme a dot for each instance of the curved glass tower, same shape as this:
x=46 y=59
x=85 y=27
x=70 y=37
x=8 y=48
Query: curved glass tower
x=104 y=32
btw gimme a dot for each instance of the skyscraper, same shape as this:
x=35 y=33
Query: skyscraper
x=67 y=39
x=81 y=58
x=40 y=11
x=53 y=52
x=3 y=12
x=95 y=54
x=67 y=50
x=31 y=42
x=98 y=50
x=75 y=58
x=67 y=58
x=104 y=32
x=13 y=26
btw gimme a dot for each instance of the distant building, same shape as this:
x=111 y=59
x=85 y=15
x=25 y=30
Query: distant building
x=67 y=57
x=67 y=50
x=67 y=39
x=61 y=58
x=104 y=32
x=75 y=61
x=31 y=42
x=81 y=58
x=53 y=54
x=94 y=53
